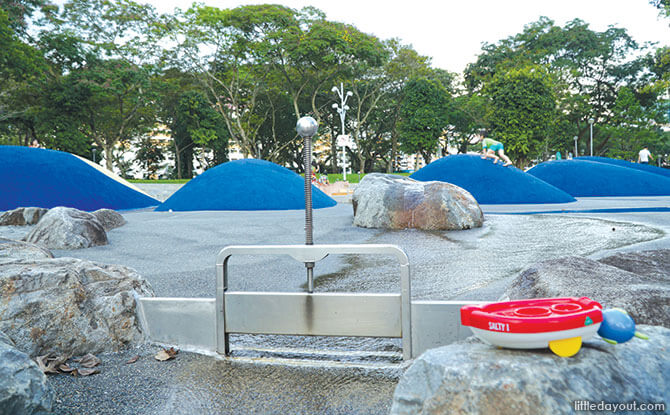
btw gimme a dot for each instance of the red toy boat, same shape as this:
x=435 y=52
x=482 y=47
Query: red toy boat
x=557 y=323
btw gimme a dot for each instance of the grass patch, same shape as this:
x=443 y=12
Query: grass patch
x=332 y=178
x=351 y=177
x=159 y=181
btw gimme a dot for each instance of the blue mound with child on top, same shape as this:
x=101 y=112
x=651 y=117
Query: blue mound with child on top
x=623 y=163
x=491 y=183
x=36 y=177
x=582 y=178
x=247 y=184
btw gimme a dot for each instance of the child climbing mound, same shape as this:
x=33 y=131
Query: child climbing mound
x=490 y=147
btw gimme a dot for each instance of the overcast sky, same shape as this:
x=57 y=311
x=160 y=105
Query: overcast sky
x=452 y=32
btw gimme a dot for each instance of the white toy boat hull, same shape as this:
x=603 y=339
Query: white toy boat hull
x=533 y=340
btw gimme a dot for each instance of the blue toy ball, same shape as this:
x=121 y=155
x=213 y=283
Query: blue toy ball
x=617 y=326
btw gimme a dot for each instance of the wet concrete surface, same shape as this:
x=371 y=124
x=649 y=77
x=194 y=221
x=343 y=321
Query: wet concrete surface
x=196 y=384
x=176 y=253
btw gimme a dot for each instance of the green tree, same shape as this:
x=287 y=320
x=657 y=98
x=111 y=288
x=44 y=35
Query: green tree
x=252 y=58
x=18 y=59
x=404 y=64
x=377 y=98
x=149 y=156
x=226 y=50
x=20 y=64
x=423 y=117
x=588 y=69
x=115 y=103
x=663 y=6
x=197 y=124
x=521 y=110
x=59 y=114
x=117 y=41
x=467 y=116
x=172 y=85
x=318 y=53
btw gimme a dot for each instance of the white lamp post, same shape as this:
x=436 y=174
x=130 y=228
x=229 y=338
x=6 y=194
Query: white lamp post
x=341 y=109
x=576 y=153
x=591 y=121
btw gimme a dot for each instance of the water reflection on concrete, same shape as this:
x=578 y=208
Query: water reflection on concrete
x=469 y=264
x=236 y=387
x=475 y=264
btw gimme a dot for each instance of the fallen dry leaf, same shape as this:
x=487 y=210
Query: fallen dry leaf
x=163 y=356
x=65 y=368
x=133 y=359
x=166 y=354
x=88 y=371
x=49 y=363
x=58 y=364
x=57 y=360
x=43 y=363
x=89 y=361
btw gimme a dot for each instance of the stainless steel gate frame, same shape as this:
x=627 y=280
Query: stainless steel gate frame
x=311 y=314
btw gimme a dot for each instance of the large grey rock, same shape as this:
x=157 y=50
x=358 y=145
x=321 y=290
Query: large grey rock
x=394 y=202
x=22 y=216
x=110 y=219
x=67 y=228
x=645 y=297
x=23 y=386
x=5 y=339
x=471 y=377
x=69 y=306
x=11 y=250
x=654 y=264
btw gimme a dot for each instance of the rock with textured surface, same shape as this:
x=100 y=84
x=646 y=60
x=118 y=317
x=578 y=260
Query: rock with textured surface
x=69 y=306
x=653 y=264
x=110 y=219
x=23 y=386
x=11 y=250
x=393 y=202
x=645 y=295
x=470 y=377
x=22 y=216
x=67 y=228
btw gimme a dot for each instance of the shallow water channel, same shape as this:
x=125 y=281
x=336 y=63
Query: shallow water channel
x=176 y=253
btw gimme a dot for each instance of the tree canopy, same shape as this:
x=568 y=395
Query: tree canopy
x=109 y=75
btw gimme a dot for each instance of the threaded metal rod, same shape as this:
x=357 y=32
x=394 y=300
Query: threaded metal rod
x=309 y=240
x=308 y=191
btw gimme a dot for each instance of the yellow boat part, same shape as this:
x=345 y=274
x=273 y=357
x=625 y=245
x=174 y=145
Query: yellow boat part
x=566 y=347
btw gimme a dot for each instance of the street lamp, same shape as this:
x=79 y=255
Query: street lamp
x=94 y=150
x=576 y=153
x=341 y=109
x=591 y=121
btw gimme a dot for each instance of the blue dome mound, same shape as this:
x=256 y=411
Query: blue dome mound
x=247 y=184
x=48 y=178
x=491 y=183
x=592 y=179
x=623 y=163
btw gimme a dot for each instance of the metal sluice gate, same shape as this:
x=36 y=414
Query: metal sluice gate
x=206 y=323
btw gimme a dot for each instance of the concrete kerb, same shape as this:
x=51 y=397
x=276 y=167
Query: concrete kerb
x=587 y=205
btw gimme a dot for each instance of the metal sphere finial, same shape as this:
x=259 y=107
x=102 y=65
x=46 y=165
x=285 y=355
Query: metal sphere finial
x=307 y=127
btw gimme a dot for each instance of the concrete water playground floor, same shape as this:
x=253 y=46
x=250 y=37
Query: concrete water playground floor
x=176 y=252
